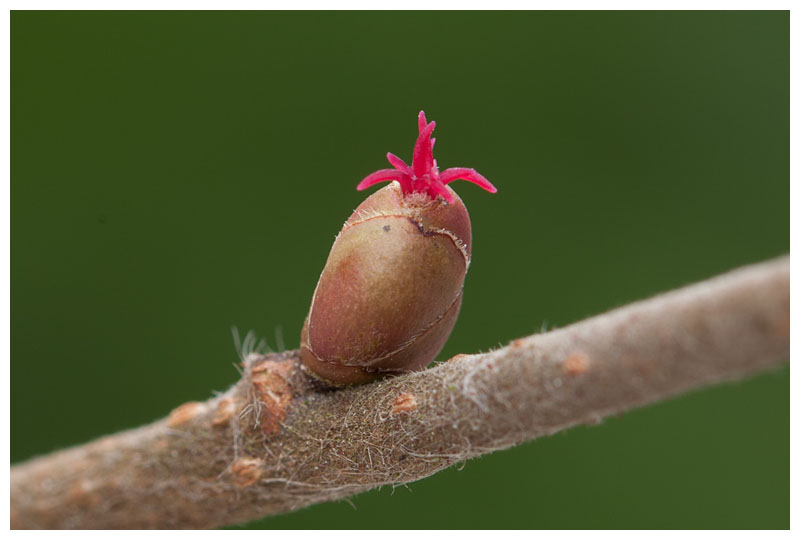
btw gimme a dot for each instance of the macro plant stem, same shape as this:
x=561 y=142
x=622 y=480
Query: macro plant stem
x=279 y=439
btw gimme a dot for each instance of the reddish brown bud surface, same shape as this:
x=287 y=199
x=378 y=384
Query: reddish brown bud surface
x=390 y=291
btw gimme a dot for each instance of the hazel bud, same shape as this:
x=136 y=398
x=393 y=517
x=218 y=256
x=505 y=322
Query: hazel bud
x=391 y=289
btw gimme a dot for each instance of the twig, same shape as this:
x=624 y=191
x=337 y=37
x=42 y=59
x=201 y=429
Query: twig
x=279 y=440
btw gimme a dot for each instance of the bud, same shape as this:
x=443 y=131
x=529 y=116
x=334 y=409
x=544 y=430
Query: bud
x=390 y=291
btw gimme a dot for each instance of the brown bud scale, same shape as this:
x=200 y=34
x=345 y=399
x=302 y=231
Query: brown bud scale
x=390 y=291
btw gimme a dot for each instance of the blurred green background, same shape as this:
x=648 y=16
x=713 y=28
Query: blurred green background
x=174 y=174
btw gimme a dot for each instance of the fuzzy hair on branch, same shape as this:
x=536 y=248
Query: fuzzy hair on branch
x=280 y=440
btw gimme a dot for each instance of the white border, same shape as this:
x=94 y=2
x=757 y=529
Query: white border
x=413 y=4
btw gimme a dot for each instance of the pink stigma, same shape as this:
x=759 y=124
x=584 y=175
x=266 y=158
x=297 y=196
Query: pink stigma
x=423 y=176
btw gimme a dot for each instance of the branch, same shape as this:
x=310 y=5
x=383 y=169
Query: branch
x=279 y=440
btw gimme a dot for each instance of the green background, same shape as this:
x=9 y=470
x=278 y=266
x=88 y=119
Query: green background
x=174 y=174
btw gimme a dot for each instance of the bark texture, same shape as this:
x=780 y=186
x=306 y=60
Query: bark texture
x=279 y=440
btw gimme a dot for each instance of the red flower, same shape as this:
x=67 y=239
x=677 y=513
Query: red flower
x=423 y=176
